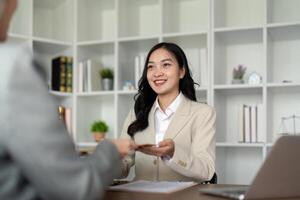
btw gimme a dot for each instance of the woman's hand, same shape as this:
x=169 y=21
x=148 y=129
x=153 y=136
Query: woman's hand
x=165 y=148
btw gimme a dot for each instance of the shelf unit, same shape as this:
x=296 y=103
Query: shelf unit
x=263 y=35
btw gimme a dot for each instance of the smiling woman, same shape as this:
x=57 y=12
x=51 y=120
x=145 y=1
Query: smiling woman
x=167 y=115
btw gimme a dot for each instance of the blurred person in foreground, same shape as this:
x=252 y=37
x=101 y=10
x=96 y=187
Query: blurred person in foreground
x=37 y=157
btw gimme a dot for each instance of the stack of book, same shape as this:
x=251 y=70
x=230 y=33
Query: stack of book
x=62 y=74
x=88 y=76
x=250 y=124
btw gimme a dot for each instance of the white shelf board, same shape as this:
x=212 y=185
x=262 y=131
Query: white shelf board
x=138 y=38
x=167 y=35
x=284 y=24
x=242 y=28
x=51 y=41
x=125 y=92
x=61 y=94
x=236 y=86
x=18 y=36
x=233 y=144
x=273 y=85
x=94 y=42
x=269 y=145
x=98 y=93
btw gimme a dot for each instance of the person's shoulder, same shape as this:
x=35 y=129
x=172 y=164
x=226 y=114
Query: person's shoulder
x=199 y=107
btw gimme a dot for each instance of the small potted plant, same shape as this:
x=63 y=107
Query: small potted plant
x=238 y=74
x=99 y=129
x=107 y=77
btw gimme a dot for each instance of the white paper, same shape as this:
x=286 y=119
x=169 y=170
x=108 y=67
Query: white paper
x=153 y=186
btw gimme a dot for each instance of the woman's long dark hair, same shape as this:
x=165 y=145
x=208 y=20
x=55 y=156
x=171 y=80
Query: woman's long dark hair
x=145 y=97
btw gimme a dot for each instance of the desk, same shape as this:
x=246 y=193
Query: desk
x=191 y=193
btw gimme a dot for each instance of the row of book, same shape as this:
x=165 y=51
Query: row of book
x=62 y=74
x=88 y=76
x=251 y=124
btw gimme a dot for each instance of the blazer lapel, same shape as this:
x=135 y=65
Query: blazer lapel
x=179 y=120
x=147 y=136
x=152 y=127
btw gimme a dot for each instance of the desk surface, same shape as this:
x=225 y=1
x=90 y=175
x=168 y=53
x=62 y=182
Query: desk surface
x=191 y=193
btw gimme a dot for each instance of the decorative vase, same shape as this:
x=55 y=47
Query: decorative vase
x=237 y=81
x=98 y=136
x=107 y=84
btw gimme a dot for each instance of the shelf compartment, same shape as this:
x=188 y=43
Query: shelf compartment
x=125 y=104
x=90 y=109
x=53 y=19
x=202 y=96
x=280 y=11
x=238 y=165
x=101 y=56
x=96 y=20
x=45 y=52
x=135 y=17
x=282 y=102
x=227 y=103
x=283 y=59
x=196 y=50
x=181 y=16
x=238 y=13
x=127 y=53
x=21 y=20
x=238 y=47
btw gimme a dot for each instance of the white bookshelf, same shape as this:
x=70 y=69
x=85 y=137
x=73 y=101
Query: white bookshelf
x=263 y=35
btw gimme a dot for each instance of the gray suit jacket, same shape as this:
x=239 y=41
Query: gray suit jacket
x=37 y=157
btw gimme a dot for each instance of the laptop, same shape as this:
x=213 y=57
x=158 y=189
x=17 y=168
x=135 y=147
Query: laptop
x=278 y=177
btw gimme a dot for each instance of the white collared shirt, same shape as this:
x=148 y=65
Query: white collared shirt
x=163 y=118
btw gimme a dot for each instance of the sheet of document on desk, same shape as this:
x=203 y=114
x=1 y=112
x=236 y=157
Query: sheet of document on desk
x=153 y=186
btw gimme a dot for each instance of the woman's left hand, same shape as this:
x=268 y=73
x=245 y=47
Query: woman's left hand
x=165 y=148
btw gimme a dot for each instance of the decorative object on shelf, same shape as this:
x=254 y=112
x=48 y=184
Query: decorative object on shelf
x=238 y=74
x=254 y=78
x=65 y=114
x=107 y=77
x=283 y=130
x=99 y=129
x=128 y=85
x=287 y=81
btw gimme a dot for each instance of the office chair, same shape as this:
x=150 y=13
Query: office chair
x=213 y=180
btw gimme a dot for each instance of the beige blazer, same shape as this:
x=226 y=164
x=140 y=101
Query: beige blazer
x=192 y=129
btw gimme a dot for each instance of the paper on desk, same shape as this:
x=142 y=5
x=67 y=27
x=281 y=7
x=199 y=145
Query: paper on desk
x=153 y=186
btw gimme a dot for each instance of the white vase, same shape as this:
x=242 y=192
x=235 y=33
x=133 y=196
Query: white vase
x=237 y=81
x=107 y=84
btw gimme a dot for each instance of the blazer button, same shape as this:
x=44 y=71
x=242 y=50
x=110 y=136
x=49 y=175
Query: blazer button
x=155 y=161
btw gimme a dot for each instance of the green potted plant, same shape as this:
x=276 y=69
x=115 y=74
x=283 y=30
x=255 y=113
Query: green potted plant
x=99 y=129
x=238 y=74
x=107 y=77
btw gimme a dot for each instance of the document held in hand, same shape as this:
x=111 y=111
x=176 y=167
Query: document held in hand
x=153 y=186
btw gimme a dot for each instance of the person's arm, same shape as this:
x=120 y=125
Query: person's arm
x=39 y=143
x=199 y=163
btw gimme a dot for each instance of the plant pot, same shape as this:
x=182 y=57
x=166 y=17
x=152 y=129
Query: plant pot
x=98 y=136
x=237 y=81
x=107 y=84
